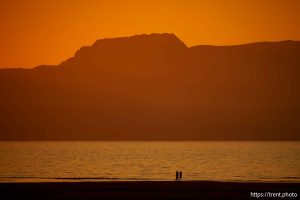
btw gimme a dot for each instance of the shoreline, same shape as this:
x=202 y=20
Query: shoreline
x=117 y=180
x=143 y=190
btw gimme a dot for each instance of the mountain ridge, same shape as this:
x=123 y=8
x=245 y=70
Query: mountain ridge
x=154 y=87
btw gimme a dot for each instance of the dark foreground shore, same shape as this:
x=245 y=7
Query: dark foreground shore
x=144 y=190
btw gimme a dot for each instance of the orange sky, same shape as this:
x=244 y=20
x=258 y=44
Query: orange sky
x=34 y=32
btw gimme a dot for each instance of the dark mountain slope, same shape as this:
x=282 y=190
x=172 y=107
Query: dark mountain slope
x=153 y=87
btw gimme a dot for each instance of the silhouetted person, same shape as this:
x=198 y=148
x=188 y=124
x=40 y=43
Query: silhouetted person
x=180 y=175
x=177 y=175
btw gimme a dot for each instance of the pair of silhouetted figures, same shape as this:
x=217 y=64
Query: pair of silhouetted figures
x=178 y=175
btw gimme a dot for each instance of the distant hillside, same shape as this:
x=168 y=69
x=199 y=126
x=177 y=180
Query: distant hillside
x=153 y=87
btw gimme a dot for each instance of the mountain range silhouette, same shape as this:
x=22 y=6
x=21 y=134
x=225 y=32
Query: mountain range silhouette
x=154 y=87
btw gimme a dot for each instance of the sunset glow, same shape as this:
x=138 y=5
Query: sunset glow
x=37 y=32
x=149 y=99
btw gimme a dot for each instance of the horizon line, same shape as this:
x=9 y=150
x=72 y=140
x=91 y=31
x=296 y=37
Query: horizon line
x=149 y=34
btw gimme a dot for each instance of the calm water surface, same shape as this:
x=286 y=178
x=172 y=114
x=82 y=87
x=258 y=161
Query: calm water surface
x=118 y=161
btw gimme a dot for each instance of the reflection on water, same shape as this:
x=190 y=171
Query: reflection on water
x=105 y=161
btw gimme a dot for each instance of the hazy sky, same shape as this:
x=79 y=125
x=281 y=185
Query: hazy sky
x=35 y=32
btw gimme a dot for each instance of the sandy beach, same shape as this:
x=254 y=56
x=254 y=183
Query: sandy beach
x=143 y=190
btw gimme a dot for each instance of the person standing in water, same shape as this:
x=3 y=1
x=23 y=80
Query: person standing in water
x=177 y=175
x=180 y=175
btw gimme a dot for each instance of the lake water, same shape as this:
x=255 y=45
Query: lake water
x=118 y=161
